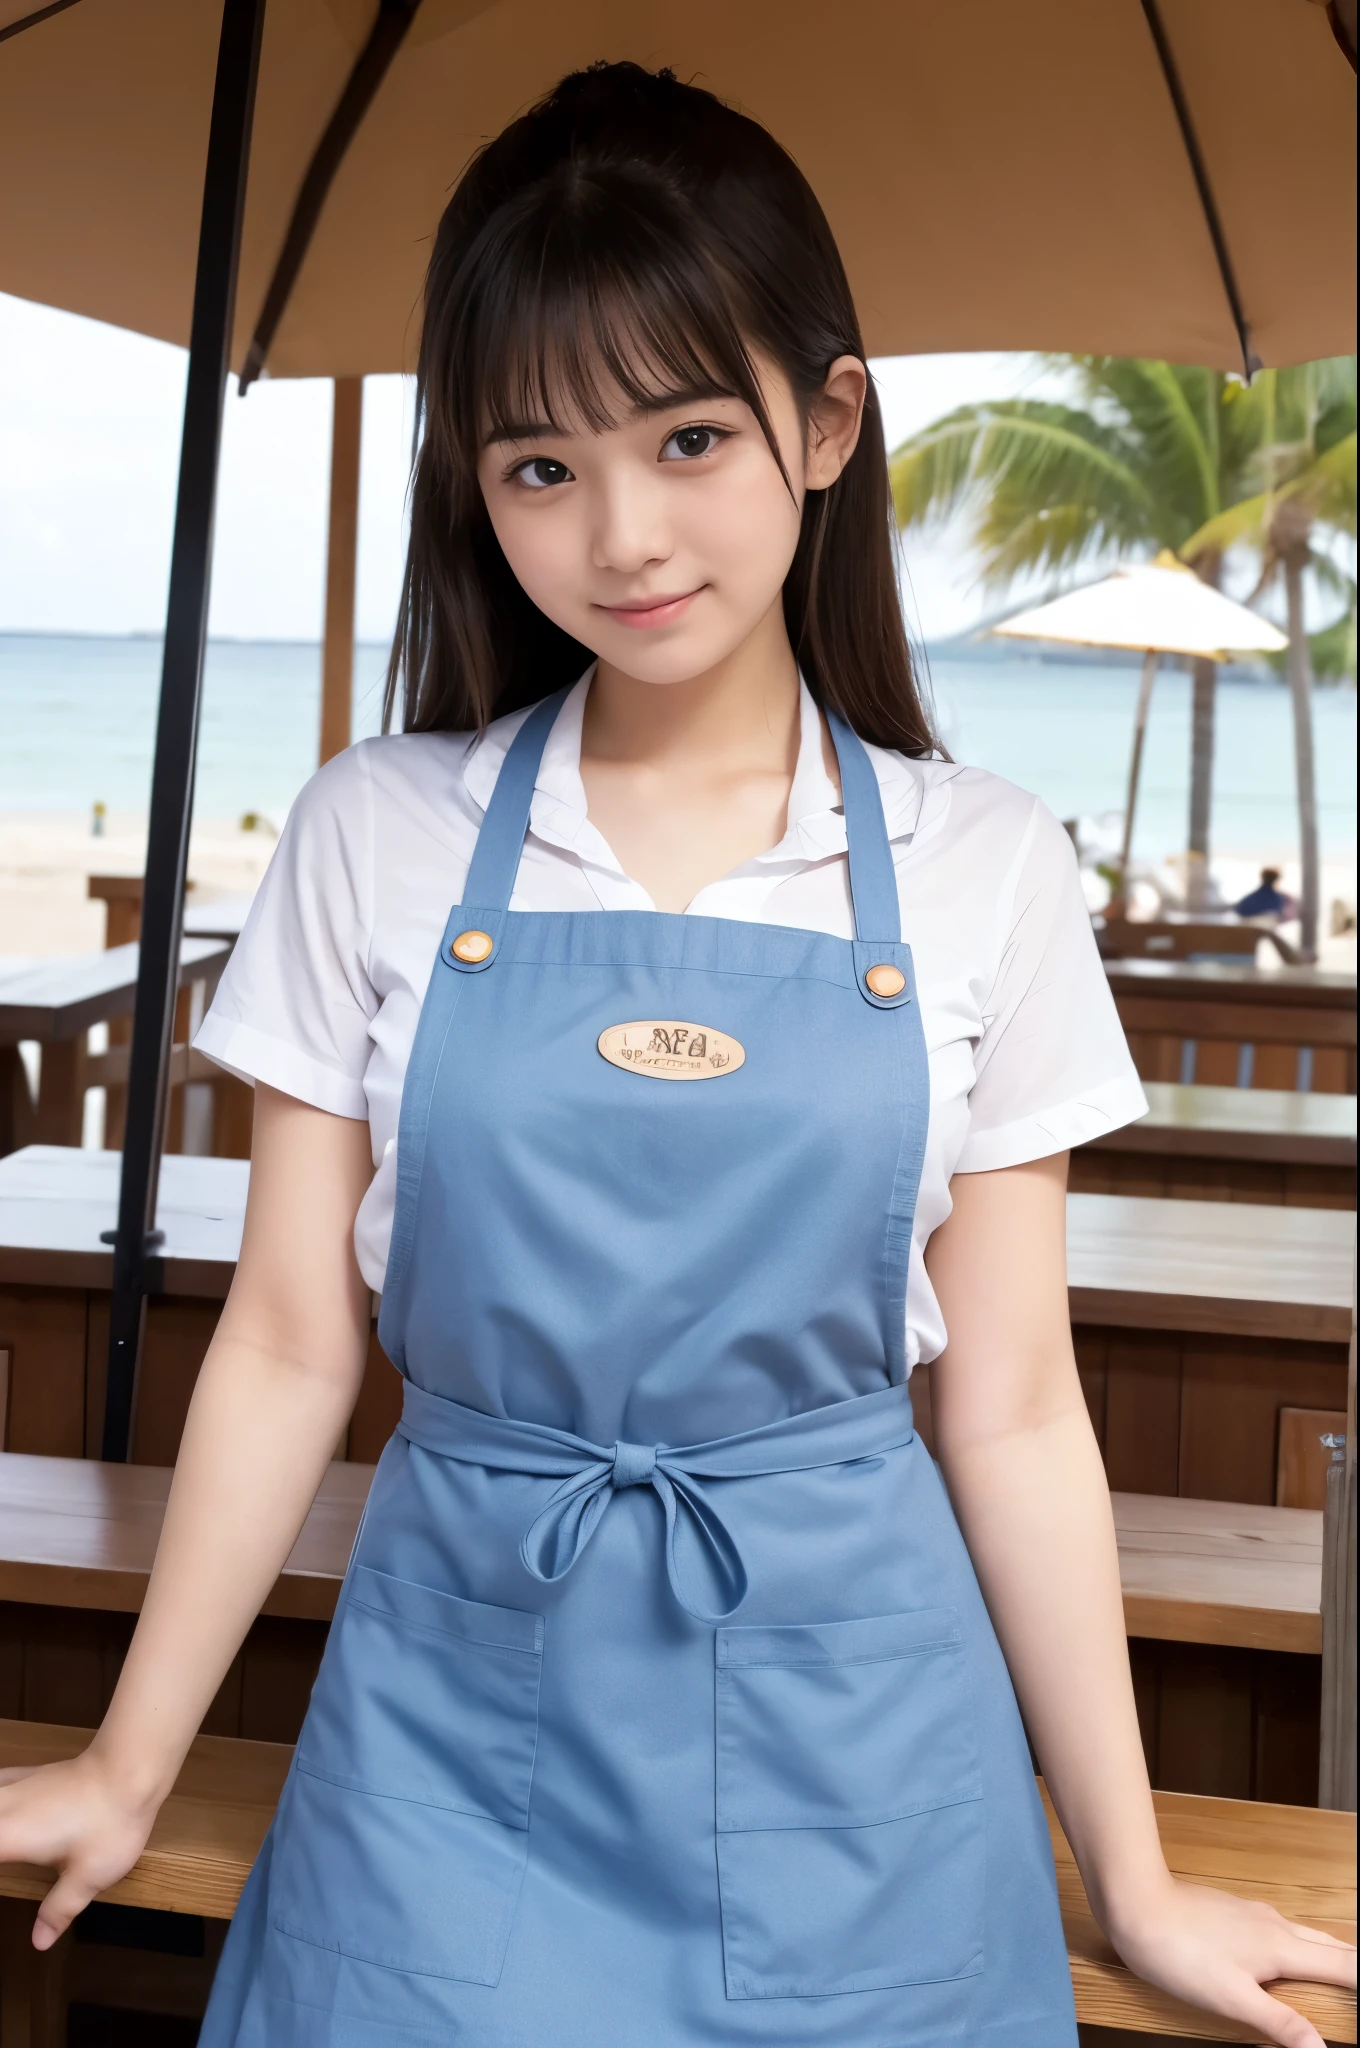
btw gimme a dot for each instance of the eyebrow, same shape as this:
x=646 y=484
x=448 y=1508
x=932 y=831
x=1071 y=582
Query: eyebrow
x=667 y=401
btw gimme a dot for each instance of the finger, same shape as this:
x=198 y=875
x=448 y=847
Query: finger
x=1278 y=2023
x=1321 y=1937
x=1316 y=1959
x=67 y=1897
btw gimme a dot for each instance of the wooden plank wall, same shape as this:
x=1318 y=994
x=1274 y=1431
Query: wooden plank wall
x=1175 y=1414
x=1199 y=1417
x=57 y=1339
x=1096 y=1171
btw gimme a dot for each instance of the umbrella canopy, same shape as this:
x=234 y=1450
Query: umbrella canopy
x=1141 y=177
x=1160 y=608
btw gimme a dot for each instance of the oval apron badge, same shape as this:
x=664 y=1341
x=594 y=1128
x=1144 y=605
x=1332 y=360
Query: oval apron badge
x=669 y=1051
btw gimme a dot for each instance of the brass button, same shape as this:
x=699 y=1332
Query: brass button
x=472 y=947
x=884 y=980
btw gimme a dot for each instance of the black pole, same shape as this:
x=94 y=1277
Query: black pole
x=172 y=780
x=1199 y=170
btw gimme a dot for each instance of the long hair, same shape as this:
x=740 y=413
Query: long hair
x=632 y=235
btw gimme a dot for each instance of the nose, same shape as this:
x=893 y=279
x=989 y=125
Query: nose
x=631 y=532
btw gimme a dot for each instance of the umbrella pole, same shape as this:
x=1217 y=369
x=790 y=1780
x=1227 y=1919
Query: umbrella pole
x=172 y=779
x=342 y=547
x=1119 y=902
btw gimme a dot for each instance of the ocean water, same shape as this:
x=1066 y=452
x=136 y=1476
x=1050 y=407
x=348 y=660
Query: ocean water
x=77 y=719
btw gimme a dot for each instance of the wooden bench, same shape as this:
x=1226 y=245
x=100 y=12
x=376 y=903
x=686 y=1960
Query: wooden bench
x=210 y=1829
x=1238 y=1027
x=77 y=1542
x=56 y=1003
x=1260 y=1145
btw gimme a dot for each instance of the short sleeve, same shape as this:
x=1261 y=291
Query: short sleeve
x=1053 y=1068
x=295 y=1002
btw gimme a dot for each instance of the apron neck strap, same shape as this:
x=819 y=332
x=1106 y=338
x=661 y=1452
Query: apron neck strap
x=500 y=842
x=873 y=878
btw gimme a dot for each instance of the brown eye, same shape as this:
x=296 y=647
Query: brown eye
x=688 y=442
x=542 y=473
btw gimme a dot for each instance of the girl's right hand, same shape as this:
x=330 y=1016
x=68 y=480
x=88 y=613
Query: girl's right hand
x=78 y=1818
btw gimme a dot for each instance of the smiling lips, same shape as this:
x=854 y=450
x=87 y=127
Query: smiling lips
x=650 y=612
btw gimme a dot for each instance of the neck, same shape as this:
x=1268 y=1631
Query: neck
x=743 y=712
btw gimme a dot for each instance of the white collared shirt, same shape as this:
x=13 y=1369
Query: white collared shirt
x=322 y=993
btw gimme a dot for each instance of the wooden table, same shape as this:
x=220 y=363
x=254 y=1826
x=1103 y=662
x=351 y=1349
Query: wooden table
x=78 y=1533
x=1297 y=1859
x=1257 y=1145
x=1242 y=1027
x=1234 y=1269
x=56 y=1002
x=1207 y=1571
x=209 y=1831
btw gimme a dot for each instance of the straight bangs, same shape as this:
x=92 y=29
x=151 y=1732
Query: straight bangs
x=579 y=315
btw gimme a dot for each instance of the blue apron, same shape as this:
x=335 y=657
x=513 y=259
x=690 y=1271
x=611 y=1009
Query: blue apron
x=661 y=1704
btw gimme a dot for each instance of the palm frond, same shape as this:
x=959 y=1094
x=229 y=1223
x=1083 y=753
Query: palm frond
x=1244 y=524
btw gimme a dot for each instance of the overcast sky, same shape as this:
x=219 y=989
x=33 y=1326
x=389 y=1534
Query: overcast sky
x=89 y=443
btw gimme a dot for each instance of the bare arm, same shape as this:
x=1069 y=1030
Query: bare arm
x=1025 y=1476
x=273 y=1396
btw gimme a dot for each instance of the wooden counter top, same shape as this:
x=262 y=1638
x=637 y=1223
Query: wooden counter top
x=1274 y=1124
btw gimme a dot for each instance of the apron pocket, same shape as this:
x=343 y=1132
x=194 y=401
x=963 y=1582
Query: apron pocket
x=403 y=1833
x=851 y=1841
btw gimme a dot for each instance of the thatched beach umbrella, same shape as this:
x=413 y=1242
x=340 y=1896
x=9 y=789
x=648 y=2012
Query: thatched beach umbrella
x=1153 y=608
x=1153 y=177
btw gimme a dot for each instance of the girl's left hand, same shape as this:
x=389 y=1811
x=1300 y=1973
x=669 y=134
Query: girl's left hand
x=1216 y=1951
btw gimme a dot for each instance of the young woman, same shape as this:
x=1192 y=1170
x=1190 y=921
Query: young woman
x=666 y=1699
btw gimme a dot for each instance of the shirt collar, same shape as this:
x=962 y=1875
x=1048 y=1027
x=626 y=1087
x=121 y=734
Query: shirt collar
x=816 y=818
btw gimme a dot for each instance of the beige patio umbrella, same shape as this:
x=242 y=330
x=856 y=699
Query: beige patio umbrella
x=1155 y=177
x=1158 y=608
x=1015 y=174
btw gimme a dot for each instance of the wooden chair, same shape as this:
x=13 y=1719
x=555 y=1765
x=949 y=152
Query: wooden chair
x=230 y=1101
x=210 y=1829
x=56 y=1002
x=1238 y=1027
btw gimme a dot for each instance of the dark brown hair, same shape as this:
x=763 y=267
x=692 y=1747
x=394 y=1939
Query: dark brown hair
x=632 y=235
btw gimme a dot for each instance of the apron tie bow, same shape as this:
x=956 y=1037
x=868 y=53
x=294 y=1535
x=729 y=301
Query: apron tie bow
x=634 y=1465
x=703 y=1562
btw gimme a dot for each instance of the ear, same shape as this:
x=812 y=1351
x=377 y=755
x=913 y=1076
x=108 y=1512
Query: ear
x=834 y=419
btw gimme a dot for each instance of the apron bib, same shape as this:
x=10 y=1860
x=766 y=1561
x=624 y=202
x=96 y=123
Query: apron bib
x=661 y=1703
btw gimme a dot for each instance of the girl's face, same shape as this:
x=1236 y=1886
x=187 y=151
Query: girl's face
x=662 y=542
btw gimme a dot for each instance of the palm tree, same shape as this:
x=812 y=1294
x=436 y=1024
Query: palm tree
x=1146 y=456
x=1305 y=471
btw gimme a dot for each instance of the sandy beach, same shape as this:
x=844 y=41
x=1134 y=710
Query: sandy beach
x=46 y=859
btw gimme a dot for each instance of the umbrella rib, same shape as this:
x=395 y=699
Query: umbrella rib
x=371 y=67
x=1251 y=362
x=16 y=28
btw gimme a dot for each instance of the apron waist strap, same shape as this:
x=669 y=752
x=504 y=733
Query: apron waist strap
x=699 y=1546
